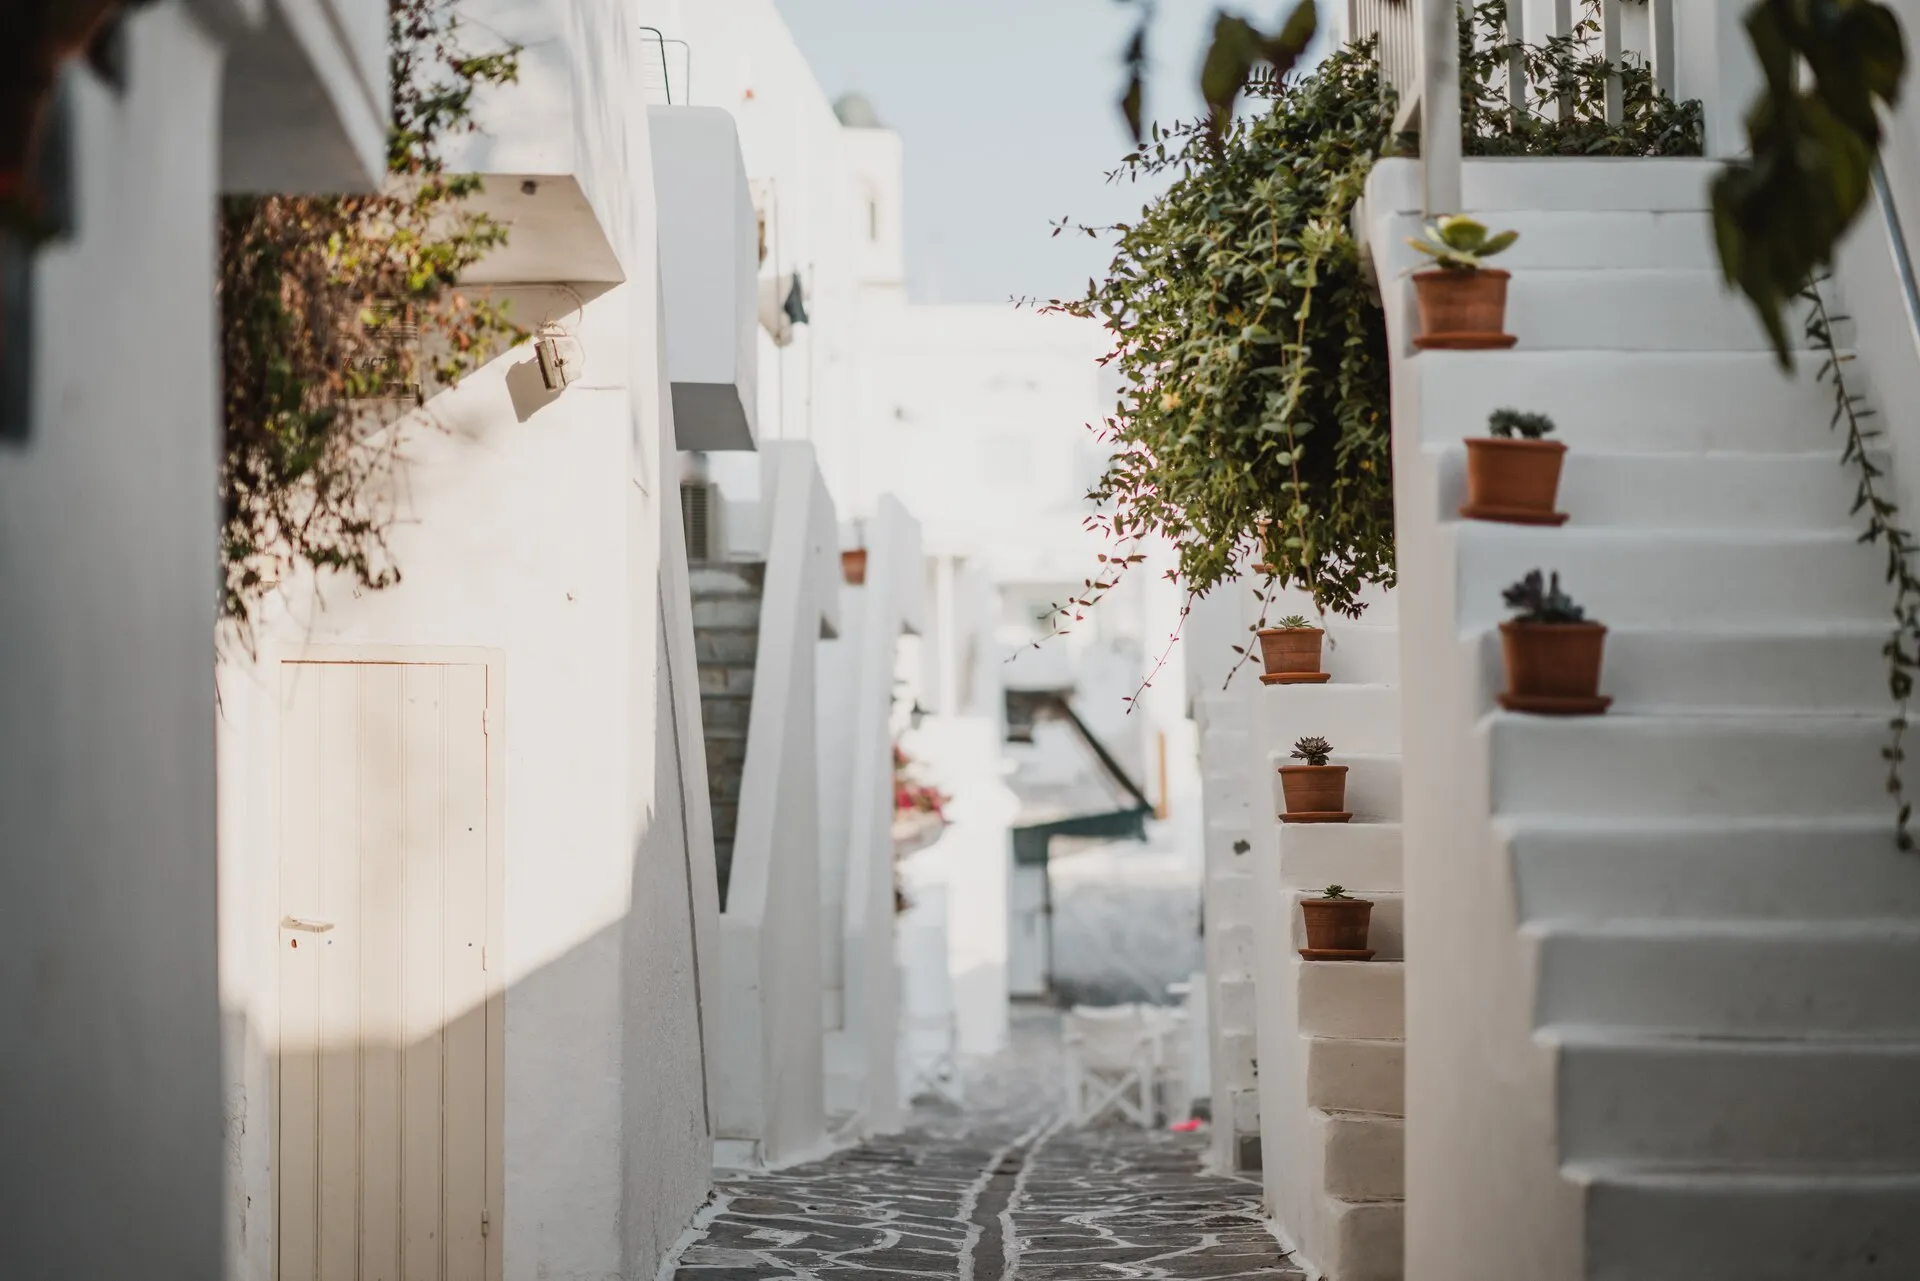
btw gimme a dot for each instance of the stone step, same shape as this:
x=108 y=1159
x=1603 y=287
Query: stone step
x=1373 y=786
x=1719 y=869
x=719 y=613
x=1361 y=856
x=1804 y=491
x=1651 y=1222
x=1356 y=1076
x=1236 y=997
x=1238 y=947
x=1795 y=767
x=1827 y=1103
x=742 y=578
x=1359 y=719
x=1605 y=238
x=1352 y=1000
x=726 y=678
x=1494 y=186
x=1654 y=402
x=726 y=647
x=1369 y=1240
x=1239 y=1052
x=725 y=715
x=1731 y=978
x=1646 y=578
x=1814 y=667
x=1235 y=900
x=1634 y=309
x=1386 y=925
x=1361 y=653
x=1362 y=1156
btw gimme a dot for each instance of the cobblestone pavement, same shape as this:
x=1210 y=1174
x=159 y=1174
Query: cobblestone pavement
x=998 y=1191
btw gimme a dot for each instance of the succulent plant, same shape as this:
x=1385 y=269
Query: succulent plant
x=1459 y=243
x=1314 y=751
x=1536 y=601
x=1336 y=891
x=1508 y=423
x=1293 y=623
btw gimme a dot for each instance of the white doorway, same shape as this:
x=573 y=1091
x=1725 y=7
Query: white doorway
x=388 y=1071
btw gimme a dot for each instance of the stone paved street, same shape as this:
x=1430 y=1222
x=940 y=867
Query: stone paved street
x=997 y=1191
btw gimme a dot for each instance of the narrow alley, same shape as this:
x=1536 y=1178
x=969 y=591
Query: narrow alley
x=1000 y=1189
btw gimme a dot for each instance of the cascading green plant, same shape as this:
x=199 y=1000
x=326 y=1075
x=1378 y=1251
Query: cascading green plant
x=1314 y=751
x=1509 y=423
x=1460 y=243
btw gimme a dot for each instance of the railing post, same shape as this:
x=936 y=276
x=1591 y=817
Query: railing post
x=1660 y=25
x=1516 y=61
x=1610 y=48
x=1440 y=105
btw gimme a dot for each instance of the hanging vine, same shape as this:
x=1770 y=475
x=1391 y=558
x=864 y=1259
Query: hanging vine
x=340 y=315
x=1883 y=528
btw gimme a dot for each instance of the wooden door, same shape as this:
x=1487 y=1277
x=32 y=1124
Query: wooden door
x=387 y=1120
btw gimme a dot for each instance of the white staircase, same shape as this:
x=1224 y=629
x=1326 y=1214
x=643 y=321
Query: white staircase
x=1332 y=1051
x=1229 y=921
x=1671 y=1028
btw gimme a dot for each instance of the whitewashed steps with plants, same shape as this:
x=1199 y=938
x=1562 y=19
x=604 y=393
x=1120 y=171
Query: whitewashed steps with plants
x=1351 y=1015
x=1725 y=945
x=1714 y=868
x=1732 y=978
x=1645 y=1097
x=1347 y=1075
x=1814 y=668
x=1674 y=403
x=1673 y=1221
x=1675 y=578
x=1649 y=491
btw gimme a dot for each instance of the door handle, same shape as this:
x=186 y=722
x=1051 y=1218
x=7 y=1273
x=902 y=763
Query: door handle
x=301 y=923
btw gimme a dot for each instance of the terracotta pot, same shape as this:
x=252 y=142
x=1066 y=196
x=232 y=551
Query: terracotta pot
x=1553 y=660
x=1290 y=649
x=1514 y=475
x=1462 y=305
x=1337 y=924
x=853 y=566
x=1314 y=789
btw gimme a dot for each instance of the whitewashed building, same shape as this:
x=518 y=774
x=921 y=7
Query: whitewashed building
x=1640 y=1005
x=108 y=544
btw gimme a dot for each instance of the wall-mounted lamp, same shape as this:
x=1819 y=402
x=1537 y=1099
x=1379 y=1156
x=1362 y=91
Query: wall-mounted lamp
x=559 y=357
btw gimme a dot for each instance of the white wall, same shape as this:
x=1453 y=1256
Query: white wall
x=533 y=526
x=109 y=1065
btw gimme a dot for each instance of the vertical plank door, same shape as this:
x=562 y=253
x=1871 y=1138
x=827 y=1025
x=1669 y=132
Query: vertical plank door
x=386 y=1034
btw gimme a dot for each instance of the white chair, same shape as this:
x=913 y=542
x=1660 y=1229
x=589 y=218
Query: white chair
x=1172 y=1075
x=1111 y=1063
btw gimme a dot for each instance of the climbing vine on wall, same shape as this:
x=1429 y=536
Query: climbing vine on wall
x=339 y=316
x=1873 y=500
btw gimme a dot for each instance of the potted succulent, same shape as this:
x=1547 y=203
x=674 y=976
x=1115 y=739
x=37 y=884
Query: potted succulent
x=1513 y=474
x=1463 y=302
x=1337 y=926
x=1315 y=790
x=1552 y=652
x=1290 y=652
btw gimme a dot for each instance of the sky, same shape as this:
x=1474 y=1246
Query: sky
x=1008 y=113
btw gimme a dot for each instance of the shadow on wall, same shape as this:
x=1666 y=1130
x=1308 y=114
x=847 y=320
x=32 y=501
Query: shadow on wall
x=420 y=1155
